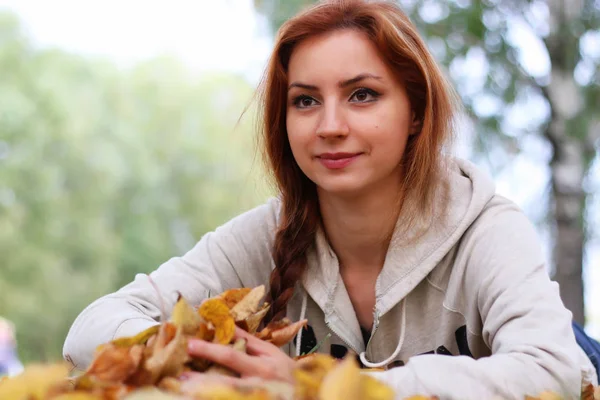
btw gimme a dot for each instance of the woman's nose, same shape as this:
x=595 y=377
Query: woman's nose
x=333 y=122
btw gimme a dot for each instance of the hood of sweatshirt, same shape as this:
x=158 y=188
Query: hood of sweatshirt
x=407 y=262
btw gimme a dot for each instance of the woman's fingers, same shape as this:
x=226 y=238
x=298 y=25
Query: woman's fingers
x=254 y=345
x=227 y=356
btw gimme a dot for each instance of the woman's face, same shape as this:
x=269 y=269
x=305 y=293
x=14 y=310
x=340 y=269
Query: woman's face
x=348 y=116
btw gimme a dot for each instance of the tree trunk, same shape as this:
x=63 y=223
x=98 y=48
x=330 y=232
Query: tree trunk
x=569 y=201
x=568 y=165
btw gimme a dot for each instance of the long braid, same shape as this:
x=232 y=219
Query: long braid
x=295 y=236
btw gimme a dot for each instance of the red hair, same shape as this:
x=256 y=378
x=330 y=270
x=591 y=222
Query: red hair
x=433 y=102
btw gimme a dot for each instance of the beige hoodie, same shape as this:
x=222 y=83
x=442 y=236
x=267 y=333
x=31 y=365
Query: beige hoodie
x=467 y=312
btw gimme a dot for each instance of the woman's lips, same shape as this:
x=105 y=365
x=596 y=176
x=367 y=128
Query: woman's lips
x=337 y=160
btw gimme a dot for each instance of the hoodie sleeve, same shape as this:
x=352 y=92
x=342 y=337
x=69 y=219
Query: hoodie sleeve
x=236 y=254
x=525 y=323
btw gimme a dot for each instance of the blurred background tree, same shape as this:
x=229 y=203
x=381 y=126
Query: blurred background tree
x=499 y=96
x=106 y=173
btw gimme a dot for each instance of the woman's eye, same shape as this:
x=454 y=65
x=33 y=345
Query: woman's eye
x=364 y=95
x=304 y=102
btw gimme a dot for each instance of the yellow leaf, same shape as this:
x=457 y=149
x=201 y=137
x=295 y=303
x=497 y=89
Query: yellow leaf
x=343 y=382
x=373 y=389
x=186 y=317
x=140 y=338
x=249 y=304
x=217 y=313
x=225 y=332
x=309 y=374
x=35 y=382
x=229 y=393
x=78 y=396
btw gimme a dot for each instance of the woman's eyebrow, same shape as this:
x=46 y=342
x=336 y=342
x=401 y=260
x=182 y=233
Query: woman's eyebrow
x=341 y=84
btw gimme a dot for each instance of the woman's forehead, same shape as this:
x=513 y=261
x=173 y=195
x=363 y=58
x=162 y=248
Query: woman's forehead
x=335 y=57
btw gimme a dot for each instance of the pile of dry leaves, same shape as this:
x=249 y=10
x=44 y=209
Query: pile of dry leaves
x=151 y=365
x=148 y=366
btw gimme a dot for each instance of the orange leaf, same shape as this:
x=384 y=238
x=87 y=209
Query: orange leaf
x=283 y=336
x=233 y=296
x=587 y=393
x=115 y=364
x=205 y=333
x=265 y=333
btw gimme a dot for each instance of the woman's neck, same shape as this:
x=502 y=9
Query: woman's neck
x=359 y=229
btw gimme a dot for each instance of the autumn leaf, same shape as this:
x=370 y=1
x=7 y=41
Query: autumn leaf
x=166 y=333
x=169 y=360
x=249 y=304
x=204 y=332
x=140 y=338
x=545 y=396
x=185 y=316
x=78 y=396
x=343 y=382
x=310 y=372
x=373 y=389
x=217 y=313
x=223 y=392
x=266 y=332
x=283 y=336
x=253 y=321
x=116 y=364
x=587 y=393
x=35 y=382
x=281 y=332
x=233 y=296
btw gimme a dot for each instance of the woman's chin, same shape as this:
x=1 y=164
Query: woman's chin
x=342 y=188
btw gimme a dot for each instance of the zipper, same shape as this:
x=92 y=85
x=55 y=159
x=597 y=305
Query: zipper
x=341 y=337
x=375 y=326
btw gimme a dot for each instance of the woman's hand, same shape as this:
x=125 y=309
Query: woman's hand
x=264 y=360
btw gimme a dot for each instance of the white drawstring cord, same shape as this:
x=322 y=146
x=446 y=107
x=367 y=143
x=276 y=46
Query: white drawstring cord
x=302 y=315
x=363 y=357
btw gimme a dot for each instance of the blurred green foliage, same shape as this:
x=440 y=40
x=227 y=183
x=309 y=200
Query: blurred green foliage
x=105 y=173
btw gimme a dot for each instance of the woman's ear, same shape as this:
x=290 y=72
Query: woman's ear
x=416 y=125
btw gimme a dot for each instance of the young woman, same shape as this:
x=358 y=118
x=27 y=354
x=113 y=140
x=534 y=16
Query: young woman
x=390 y=248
